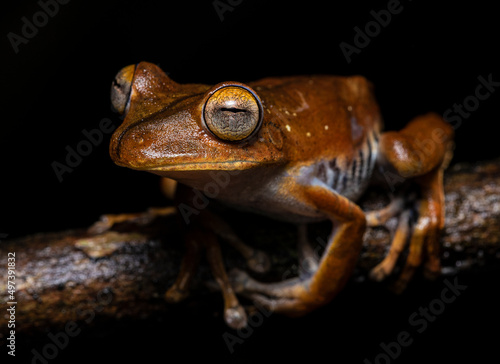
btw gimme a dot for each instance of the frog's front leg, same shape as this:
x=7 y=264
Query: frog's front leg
x=418 y=155
x=196 y=239
x=201 y=234
x=256 y=260
x=300 y=295
x=193 y=241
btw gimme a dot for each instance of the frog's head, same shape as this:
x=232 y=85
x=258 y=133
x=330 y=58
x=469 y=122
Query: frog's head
x=170 y=128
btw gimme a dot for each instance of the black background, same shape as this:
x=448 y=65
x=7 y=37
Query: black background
x=428 y=57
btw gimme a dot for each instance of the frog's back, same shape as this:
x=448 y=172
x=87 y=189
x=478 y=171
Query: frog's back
x=331 y=125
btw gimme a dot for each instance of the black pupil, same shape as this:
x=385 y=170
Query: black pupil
x=232 y=109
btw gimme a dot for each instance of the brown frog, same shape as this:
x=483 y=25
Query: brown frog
x=300 y=149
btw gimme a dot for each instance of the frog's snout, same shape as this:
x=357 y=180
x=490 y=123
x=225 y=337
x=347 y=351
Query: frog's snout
x=115 y=146
x=121 y=89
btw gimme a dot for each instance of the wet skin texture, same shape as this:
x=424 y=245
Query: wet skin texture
x=300 y=149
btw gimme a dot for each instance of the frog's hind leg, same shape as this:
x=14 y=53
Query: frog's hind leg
x=297 y=296
x=280 y=295
x=418 y=154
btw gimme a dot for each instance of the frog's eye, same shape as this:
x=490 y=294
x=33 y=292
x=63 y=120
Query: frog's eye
x=233 y=113
x=120 y=89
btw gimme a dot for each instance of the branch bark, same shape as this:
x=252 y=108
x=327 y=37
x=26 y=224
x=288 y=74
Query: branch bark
x=74 y=276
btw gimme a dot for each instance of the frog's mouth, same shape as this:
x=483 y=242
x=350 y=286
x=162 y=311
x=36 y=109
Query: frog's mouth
x=236 y=165
x=208 y=175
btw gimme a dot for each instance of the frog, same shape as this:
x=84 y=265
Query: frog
x=299 y=149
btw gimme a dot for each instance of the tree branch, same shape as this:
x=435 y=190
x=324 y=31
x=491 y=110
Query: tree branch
x=124 y=272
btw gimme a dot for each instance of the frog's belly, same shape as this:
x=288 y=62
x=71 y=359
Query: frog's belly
x=275 y=200
x=284 y=209
x=278 y=204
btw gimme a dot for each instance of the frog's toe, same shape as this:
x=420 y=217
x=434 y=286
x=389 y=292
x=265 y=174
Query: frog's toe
x=386 y=266
x=101 y=226
x=432 y=268
x=380 y=217
x=175 y=295
x=290 y=297
x=235 y=317
x=380 y=272
x=239 y=280
x=288 y=306
x=424 y=243
x=259 y=262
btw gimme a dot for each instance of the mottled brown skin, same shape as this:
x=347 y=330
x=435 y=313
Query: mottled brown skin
x=300 y=149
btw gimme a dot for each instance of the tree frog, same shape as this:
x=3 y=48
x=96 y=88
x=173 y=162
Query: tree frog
x=300 y=149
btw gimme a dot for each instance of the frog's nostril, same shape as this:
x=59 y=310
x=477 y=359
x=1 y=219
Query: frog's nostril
x=121 y=89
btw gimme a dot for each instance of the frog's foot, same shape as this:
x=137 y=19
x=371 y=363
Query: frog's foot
x=196 y=240
x=422 y=239
x=107 y=221
x=386 y=266
x=320 y=278
x=424 y=244
x=403 y=152
x=288 y=297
